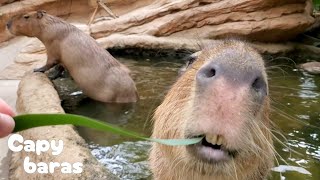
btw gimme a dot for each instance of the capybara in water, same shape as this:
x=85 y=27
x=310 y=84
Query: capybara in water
x=223 y=97
x=97 y=73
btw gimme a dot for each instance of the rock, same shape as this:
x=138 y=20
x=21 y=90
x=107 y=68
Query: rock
x=83 y=27
x=149 y=42
x=36 y=94
x=69 y=93
x=32 y=56
x=121 y=7
x=311 y=67
x=6 y=1
x=259 y=20
x=178 y=43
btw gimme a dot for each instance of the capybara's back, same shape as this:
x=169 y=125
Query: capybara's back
x=223 y=97
x=96 y=72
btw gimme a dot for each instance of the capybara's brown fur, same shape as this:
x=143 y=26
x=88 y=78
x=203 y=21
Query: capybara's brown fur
x=97 y=73
x=223 y=97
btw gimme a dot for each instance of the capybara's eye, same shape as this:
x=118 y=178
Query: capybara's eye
x=190 y=59
x=26 y=16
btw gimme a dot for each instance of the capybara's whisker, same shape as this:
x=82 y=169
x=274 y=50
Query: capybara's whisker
x=284 y=58
x=260 y=135
x=285 y=95
x=270 y=70
x=291 y=118
x=278 y=67
x=284 y=87
x=283 y=77
x=235 y=170
x=287 y=146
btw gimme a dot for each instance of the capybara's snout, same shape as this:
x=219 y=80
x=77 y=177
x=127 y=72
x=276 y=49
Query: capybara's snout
x=211 y=73
x=9 y=23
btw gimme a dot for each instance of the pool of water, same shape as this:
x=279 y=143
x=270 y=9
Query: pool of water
x=296 y=114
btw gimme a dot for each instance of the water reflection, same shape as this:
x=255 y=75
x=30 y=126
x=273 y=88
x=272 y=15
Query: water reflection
x=127 y=160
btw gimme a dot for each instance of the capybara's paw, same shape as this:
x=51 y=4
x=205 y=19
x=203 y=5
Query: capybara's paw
x=39 y=70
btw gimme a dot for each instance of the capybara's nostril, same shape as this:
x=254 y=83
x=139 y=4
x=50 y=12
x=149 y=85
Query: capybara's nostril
x=207 y=72
x=259 y=85
x=9 y=24
x=210 y=73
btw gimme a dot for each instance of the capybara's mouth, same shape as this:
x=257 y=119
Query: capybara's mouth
x=212 y=149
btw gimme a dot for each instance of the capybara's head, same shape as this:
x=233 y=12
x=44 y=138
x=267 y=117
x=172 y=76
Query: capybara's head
x=223 y=97
x=26 y=24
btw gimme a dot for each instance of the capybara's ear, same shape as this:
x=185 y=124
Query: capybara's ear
x=40 y=13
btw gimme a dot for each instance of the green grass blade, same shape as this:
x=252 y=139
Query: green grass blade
x=28 y=121
x=316 y=4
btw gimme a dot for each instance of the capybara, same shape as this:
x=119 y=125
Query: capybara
x=223 y=97
x=97 y=73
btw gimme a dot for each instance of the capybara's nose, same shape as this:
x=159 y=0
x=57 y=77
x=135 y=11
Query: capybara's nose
x=9 y=23
x=210 y=72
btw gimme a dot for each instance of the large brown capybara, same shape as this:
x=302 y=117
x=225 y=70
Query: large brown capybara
x=97 y=73
x=222 y=96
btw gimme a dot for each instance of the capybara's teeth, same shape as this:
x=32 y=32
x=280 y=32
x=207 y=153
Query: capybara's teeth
x=219 y=141
x=212 y=139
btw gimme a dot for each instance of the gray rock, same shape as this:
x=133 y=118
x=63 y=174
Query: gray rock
x=311 y=67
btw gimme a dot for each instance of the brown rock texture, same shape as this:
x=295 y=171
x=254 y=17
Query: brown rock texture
x=36 y=94
x=258 y=20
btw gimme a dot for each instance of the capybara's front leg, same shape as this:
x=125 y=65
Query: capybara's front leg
x=58 y=70
x=45 y=67
x=50 y=63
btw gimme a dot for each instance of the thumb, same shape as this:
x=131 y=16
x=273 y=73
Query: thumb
x=6 y=125
x=5 y=108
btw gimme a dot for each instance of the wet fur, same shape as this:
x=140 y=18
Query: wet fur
x=175 y=116
x=96 y=72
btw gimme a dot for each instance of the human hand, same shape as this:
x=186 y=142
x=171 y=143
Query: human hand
x=6 y=121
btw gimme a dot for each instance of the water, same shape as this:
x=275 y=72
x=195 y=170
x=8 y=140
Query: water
x=295 y=102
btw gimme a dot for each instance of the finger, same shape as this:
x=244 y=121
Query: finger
x=6 y=125
x=5 y=108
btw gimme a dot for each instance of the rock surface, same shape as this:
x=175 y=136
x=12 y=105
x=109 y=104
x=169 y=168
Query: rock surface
x=258 y=20
x=311 y=67
x=36 y=94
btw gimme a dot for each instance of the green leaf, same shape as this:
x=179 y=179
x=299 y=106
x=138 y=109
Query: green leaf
x=28 y=121
x=316 y=4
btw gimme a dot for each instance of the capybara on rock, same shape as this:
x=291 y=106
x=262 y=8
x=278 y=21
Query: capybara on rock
x=97 y=73
x=223 y=97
